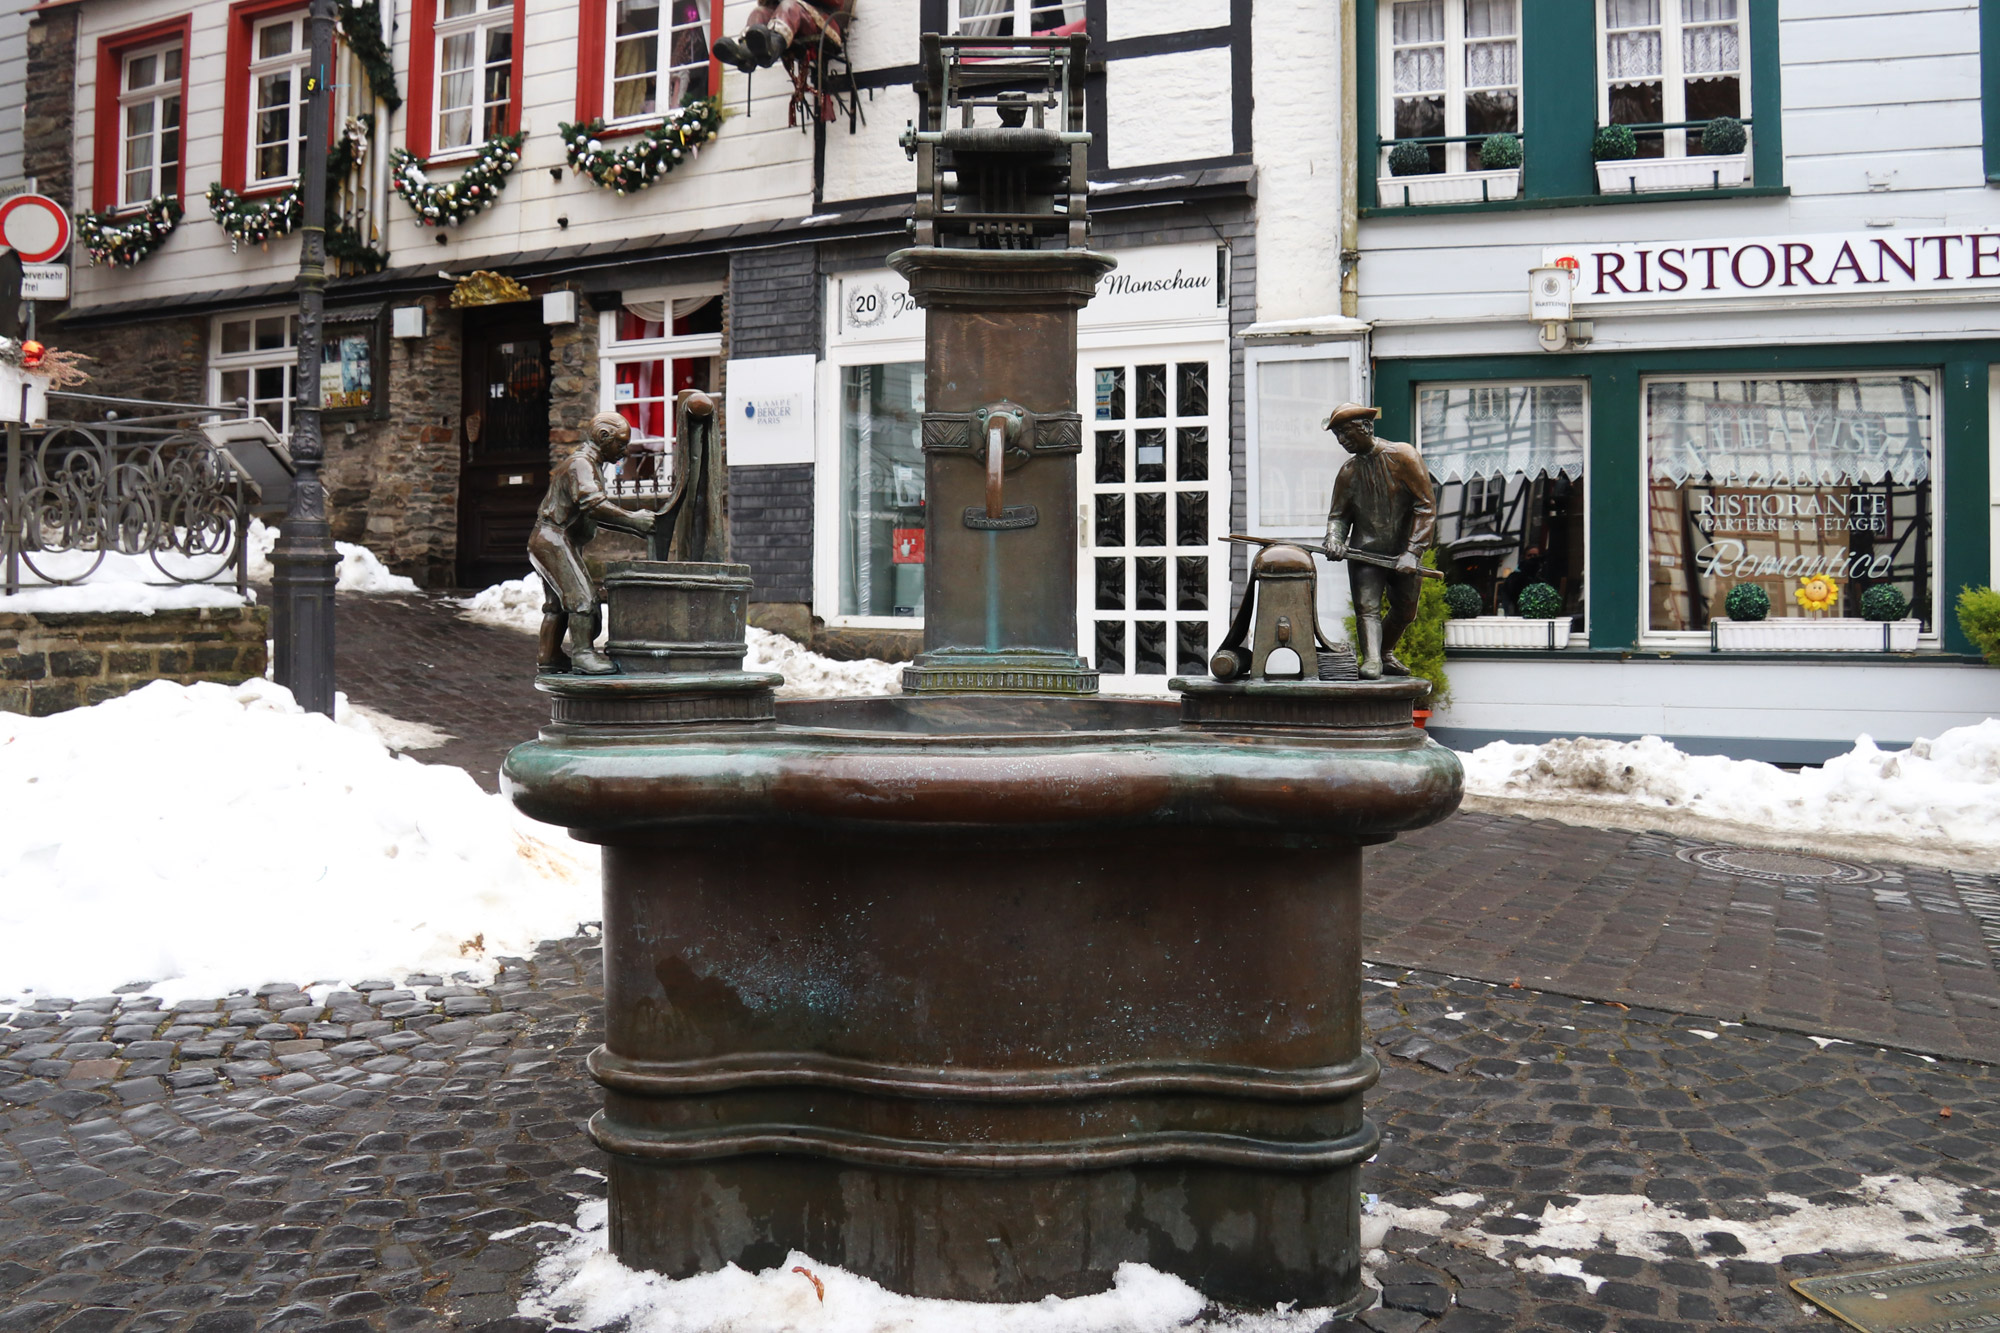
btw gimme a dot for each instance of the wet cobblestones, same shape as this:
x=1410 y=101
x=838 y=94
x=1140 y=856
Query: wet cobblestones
x=187 y=1169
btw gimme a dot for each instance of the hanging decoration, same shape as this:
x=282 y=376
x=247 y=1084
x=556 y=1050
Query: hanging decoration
x=361 y=21
x=120 y=241
x=456 y=202
x=268 y=217
x=810 y=37
x=650 y=154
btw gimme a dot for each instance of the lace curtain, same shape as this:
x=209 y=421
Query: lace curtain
x=1419 y=68
x=655 y=312
x=1466 y=432
x=984 y=18
x=1791 y=433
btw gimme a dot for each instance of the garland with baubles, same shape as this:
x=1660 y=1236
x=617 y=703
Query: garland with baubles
x=456 y=202
x=122 y=241
x=650 y=154
x=271 y=216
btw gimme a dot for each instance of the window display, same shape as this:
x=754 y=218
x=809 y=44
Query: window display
x=1781 y=482
x=882 y=490
x=1508 y=460
x=653 y=348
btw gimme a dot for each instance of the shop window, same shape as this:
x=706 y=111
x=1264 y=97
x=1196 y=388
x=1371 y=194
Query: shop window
x=1296 y=459
x=1670 y=66
x=1010 y=18
x=1508 y=463
x=658 y=57
x=279 y=50
x=882 y=490
x=140 y=114
x=1451 y=74
x=654 y=346
x=252 y=359
x=1774 y=481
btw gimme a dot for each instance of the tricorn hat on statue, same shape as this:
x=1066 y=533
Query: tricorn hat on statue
x=1350 y=412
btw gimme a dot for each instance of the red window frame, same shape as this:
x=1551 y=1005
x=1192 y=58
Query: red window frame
x=112 y=49
x=593 y=26
x=423 y=76
x=243 y=17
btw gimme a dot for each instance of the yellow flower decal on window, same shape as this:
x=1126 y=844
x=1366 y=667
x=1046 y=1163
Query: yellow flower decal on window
x=1818 y=593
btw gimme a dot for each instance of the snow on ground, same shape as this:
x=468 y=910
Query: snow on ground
x=201 y=837
x=1939 y=800
x=579 y=1284
x=1895 y=1215
x=360 y=569
x=517 y=604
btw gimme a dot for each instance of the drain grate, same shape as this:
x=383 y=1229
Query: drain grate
x=1778 y=867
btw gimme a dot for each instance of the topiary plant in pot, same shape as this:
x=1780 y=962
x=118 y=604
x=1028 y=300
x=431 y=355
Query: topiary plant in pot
x=1411 y=159
x=1462 y=600
x=1614 y=143
x=1723 y=136
x=1499 y=152
x=1884 y=602
x=1747 y=601
x=1538 y=601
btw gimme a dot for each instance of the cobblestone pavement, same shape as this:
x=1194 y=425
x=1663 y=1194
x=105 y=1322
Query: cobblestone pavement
x=265 y=1162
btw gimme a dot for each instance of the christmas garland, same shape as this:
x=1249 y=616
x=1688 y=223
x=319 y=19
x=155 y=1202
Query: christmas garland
x=121 y=243
x=274 y=215
x=361 y=20
x=651 y=153
x=457 y=202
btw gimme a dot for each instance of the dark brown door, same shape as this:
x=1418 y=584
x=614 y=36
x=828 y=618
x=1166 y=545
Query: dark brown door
x=503 y=441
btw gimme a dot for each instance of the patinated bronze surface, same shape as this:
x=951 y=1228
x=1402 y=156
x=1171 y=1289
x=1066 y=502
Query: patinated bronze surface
x=1382 y=508
x=575 y=505
x=1937 y=1296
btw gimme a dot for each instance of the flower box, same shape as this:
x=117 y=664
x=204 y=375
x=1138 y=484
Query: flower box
x=1810 y=634
x=1507 y=632
x=1648 y=175
x=1465 y=187
x=12 y=378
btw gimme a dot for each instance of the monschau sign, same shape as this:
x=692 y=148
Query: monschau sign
x=1866 y=263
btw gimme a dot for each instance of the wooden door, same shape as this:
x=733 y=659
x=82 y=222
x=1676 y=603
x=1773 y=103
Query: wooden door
x=503 y=441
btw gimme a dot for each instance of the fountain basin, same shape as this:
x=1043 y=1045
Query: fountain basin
x=982 y=996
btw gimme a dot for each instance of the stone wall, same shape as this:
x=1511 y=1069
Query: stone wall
x=48 y=127
x=393 y=484
x=165 y=360
x=52 y=662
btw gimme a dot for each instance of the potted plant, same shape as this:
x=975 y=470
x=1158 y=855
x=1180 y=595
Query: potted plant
x=1884 y=625
x=1979 y=617
x=1414 y=177
x=27 y=372
x=1541 y=623
x=1721 y=163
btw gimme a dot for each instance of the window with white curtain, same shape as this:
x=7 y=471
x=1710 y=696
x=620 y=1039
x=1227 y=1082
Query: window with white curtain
x=279 y=51
x=1016 y=18
x=659 y=56
x=475 y=71
x=150 y=109
x=1669 y=62
x=1452 y=69
x=251 y=360
x=653 y=346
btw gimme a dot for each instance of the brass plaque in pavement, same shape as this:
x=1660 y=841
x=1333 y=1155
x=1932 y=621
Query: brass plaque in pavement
x=1937 y=1296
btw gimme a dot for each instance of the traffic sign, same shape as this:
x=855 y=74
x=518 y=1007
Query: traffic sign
x=45 y=282
x=35 y=227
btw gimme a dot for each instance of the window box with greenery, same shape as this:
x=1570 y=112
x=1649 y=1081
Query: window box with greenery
x=1882 y=626
x=1451 y=80
x=1540 y=624
x=1621 y=170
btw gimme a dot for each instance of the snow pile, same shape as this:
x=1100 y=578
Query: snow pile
x=1892 y=1215
x=200 y=837
x=360 y=569
x=579 y=1284
x=517 y=604
x=1943 y=794
x=122 y=583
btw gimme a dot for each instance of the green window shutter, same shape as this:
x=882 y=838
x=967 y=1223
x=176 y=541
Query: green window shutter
x=1767 y=103
x=1559 y=97
x=1366 y=126
x=1989 y=84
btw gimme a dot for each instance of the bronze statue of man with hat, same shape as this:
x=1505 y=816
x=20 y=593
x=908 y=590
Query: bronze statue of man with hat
x=1383 y=507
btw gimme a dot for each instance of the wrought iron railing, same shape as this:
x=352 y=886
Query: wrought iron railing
x=123 y=476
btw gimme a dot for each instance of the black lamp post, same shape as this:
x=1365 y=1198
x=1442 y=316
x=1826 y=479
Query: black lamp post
x=302 y=563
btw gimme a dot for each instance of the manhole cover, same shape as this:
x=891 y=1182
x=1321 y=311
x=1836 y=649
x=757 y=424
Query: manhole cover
x=1783 y=867
x=1935 y=1297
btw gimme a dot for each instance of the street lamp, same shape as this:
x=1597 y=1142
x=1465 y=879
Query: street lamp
x=302 y=562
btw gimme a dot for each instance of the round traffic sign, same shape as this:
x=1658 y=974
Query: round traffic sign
x=35 y=227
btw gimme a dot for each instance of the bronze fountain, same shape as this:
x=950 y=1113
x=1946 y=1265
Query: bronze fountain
x=982 y=989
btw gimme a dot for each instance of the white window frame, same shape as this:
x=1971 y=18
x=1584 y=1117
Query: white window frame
x=1699 y=639
x=1673 y=72
x=663 y=71
x=287 y=357
x=667 y=348
x=295 y=61
x=1454 y=82
x=1022 y=12
x=158 y=94
x=479 y=26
